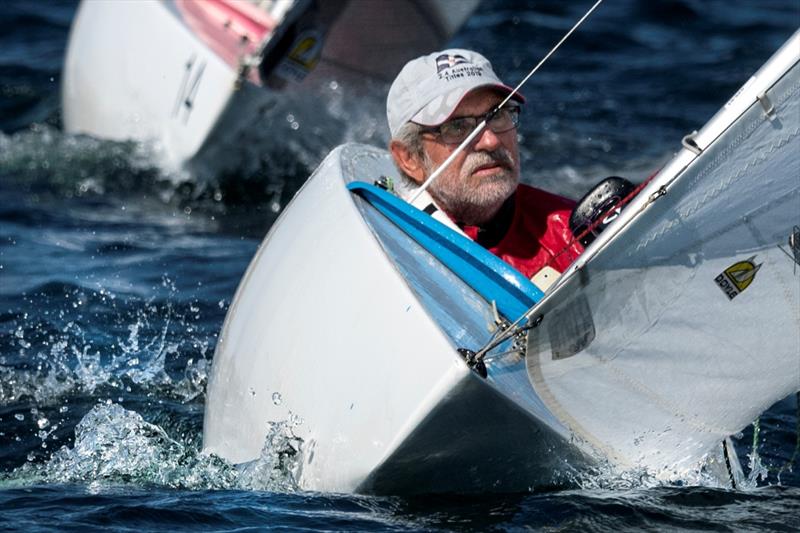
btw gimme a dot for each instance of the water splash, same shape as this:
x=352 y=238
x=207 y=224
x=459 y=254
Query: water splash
x=279 y=465
x=114 y=445
x=62 y=355
x=46 y=160
x=758 y=470
x=48 y=164
x=711 y=471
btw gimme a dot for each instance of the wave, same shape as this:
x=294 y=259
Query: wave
x=118 y=342
x=44 y=171
x=114 y=445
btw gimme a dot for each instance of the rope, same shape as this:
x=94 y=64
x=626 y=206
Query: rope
x=790 y=463
x=514 y=329
x=480 y=127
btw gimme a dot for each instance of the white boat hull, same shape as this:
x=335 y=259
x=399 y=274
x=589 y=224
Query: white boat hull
x=147 y=79
x=139 y=70
x=324 y=320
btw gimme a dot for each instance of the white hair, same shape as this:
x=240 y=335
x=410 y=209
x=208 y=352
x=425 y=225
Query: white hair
x=410 y=136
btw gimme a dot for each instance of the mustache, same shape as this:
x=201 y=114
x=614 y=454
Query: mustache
x=475 y=160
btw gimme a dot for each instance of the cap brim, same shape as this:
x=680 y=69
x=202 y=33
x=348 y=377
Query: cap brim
x=440 y=109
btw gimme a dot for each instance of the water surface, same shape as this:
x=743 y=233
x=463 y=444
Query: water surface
x=115 y=277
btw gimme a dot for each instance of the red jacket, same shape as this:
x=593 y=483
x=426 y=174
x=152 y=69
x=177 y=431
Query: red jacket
x=530 y=231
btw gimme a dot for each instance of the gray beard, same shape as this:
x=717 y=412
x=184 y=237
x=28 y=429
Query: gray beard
x=473 y=205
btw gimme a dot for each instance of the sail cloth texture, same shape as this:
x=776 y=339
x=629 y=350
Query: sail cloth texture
x=686 y=325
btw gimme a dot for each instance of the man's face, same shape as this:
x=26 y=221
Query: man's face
x=474 y=186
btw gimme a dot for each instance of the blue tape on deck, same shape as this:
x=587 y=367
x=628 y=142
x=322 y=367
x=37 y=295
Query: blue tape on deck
x=491 y=277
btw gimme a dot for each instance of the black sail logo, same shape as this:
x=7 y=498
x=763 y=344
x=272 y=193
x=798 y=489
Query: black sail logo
x=737 y=277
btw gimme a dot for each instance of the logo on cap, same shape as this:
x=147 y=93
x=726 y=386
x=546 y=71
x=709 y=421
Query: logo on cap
x=446 y=61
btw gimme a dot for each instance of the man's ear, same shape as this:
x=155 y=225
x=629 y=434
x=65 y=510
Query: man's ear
x=408 y=162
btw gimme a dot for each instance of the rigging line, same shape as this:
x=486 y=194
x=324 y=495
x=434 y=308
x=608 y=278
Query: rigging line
x=480 y=127
x=789 y=464
x=501 y=336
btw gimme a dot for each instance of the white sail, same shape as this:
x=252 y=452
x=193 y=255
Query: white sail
x=681 y=324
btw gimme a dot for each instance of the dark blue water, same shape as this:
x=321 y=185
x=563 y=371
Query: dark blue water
x=115 y=277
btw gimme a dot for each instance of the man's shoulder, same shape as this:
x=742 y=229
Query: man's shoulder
x=543 y=199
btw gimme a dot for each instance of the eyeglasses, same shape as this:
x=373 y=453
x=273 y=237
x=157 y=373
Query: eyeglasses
x=456 y=130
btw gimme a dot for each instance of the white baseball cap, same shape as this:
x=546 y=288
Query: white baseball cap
x=429 y=88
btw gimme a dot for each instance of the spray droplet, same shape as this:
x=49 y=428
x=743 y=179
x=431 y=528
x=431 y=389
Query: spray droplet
x=42 y=423
x=19 y=417
x=276 y=398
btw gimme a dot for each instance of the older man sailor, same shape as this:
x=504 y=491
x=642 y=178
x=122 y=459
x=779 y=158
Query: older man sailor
x=434 y=104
